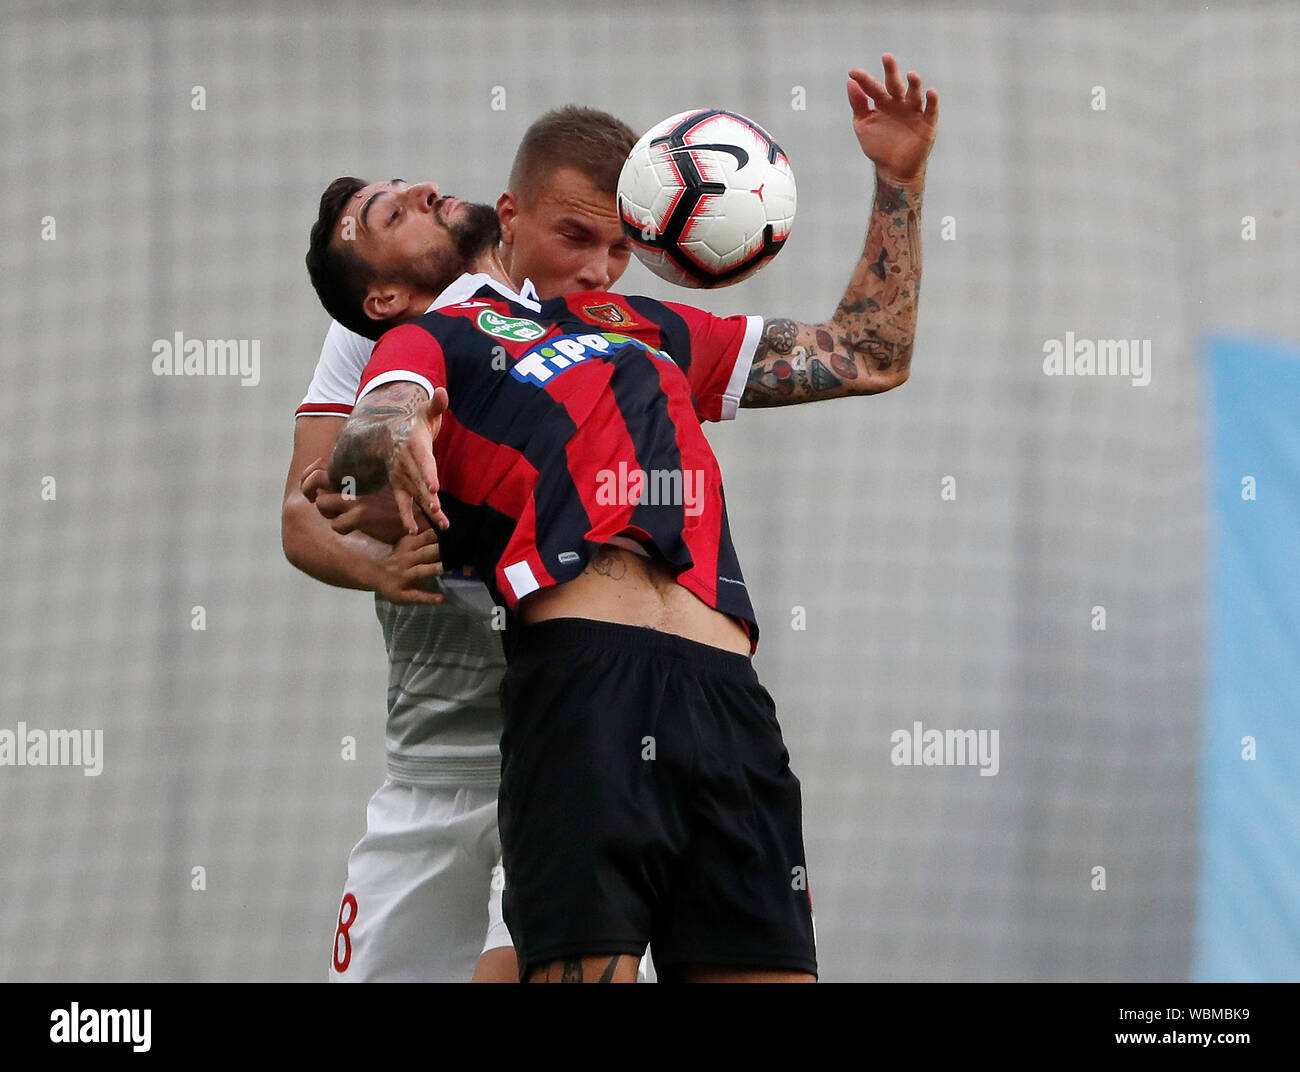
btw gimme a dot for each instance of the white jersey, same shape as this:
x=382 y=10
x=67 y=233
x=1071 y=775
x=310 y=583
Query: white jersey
x=445 y=661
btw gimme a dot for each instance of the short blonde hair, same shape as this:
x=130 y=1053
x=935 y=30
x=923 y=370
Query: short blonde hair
x=586 y=139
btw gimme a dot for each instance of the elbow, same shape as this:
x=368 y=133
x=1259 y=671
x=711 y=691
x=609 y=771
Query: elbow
x=290 y=531
x=291 y=551
x=875 y=384
x=289 y=547
x=900 y=368
x=887 y=380
x=892 y=361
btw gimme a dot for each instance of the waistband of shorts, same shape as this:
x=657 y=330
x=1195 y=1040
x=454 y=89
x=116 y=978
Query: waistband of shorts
x=555 y=634
x=443 y=771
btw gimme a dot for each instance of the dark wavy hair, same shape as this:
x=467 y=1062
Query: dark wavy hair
x=341 y=276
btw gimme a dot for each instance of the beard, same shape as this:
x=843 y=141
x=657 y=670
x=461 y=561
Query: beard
x=476 y=231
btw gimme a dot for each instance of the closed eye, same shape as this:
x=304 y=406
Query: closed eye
x=573 y=231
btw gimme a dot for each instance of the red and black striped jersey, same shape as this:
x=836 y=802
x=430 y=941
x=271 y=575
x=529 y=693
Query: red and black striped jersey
x=575 y=422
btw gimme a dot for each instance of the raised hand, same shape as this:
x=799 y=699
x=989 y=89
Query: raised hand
x=895 y=123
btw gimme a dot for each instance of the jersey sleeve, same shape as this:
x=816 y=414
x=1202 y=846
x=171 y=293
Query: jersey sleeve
x=721 y=352
x=333 y=387
x=407 y=354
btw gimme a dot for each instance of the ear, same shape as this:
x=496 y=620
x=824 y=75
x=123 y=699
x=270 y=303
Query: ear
x=386 y=300
x=507 y=213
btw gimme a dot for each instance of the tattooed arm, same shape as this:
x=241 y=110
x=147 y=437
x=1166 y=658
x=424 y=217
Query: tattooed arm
x=866 y=347
x=388 y=439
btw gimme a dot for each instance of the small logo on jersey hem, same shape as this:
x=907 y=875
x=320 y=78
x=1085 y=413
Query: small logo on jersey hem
x=609 y=313
x=510 y=328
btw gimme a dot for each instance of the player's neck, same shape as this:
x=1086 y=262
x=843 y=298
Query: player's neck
x=489 y=263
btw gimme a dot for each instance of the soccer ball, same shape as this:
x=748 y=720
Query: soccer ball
x=706 y=198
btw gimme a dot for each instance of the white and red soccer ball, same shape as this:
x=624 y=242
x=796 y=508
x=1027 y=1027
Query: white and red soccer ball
x=706 y=198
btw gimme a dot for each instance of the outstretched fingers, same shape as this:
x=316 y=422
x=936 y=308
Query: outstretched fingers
x=867 y=93
x=866 y=86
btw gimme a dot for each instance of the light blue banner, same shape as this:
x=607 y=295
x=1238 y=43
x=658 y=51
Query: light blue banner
x=1248 y=926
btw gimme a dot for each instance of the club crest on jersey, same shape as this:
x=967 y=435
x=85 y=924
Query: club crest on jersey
x=609 y=313
x=542 y=362
x=510 y=328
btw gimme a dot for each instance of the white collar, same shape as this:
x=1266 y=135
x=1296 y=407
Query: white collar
x=469 y=284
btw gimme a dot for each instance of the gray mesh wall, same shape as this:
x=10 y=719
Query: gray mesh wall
x=222 y=745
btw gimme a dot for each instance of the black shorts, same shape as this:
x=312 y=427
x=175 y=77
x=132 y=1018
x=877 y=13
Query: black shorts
x=647 y=798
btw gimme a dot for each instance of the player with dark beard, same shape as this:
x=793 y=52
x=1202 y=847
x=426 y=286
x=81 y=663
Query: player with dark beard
x=631 y=626
x=424 y=883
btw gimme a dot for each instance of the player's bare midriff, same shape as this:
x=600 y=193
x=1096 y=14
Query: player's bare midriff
x=624 y=587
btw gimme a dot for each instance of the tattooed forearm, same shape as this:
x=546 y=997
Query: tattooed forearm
x=801 y=379
x=890 y=198
x=866 y=347
x=881 y=355
x=878 y=266
x=375 y=433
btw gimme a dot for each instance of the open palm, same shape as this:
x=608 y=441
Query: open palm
x=895 y=121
